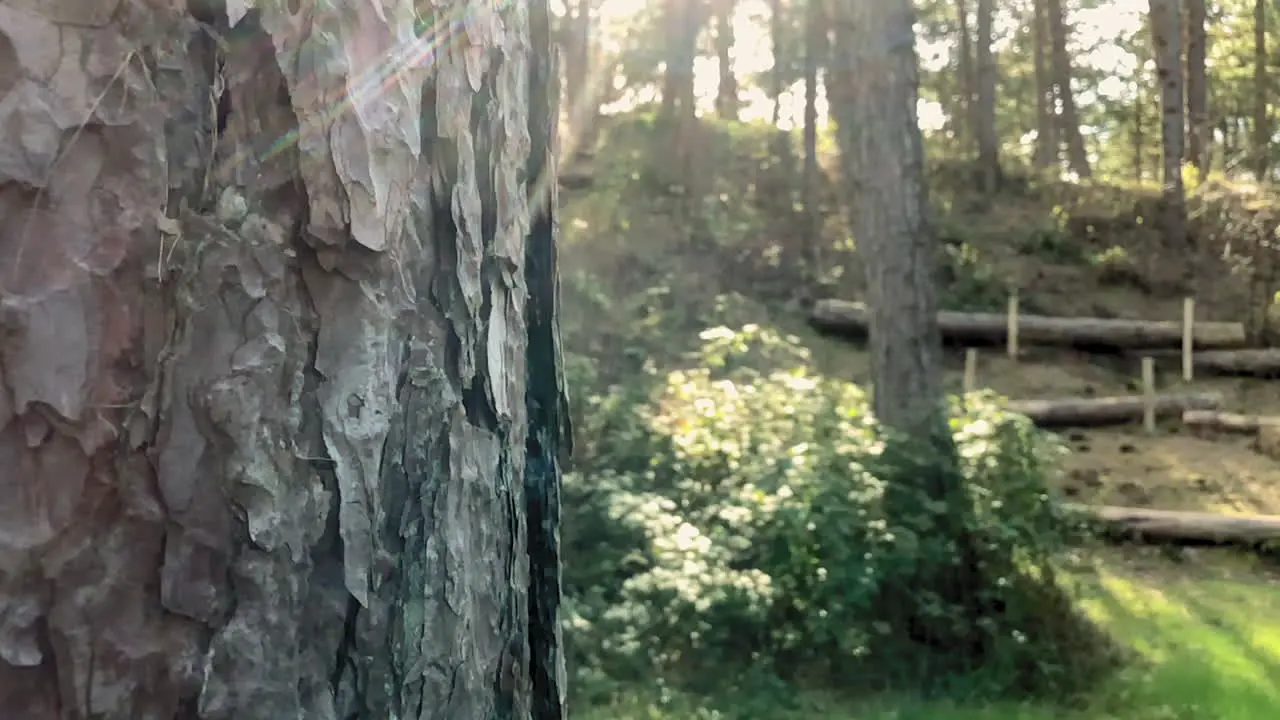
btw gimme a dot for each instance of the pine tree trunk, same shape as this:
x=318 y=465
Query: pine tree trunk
x=672 y=17
x=967 y=126
x=776 y=42
x=1069 y=121
x=1197 y=90
x=1143 y=101
x=1230 y=141
x=879 y=133
x=1047 y=146
x=815 y=53
x=281 y=406
x=879 y=136
x=1261 y=94
x=1166 y=32
x=1139 y=136
x=685 y=147
x=727 y=91
x=988 y=140
x=580 y=95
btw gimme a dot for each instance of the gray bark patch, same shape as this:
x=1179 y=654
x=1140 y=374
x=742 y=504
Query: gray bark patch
x=267 y=379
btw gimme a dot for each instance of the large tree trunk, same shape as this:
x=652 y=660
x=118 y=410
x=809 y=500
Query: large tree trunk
x=988 y=140
x=281 y=405
x=1197 y=90
x=880 y=136
x=1060 y=71
x=1166 y=33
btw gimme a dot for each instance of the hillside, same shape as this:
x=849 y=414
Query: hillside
x=1070 y=250
x=640 y=285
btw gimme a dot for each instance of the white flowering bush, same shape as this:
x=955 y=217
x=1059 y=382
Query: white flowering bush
x=738 y=515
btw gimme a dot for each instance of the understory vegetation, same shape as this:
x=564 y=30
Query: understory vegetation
x=728 y=549
x=738 y=517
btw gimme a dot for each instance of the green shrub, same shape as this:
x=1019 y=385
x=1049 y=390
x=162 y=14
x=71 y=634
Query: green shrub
x=736 y=518
x=1052 y=241
x=967 y=281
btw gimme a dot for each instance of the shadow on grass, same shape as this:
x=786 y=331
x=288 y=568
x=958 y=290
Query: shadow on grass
x=1211 y=646
x=1208 y=649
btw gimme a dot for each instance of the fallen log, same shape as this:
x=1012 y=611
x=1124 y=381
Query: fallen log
x=1226 y=421
x=1182 y=527
x=1255 y=361
x=1063 y=412
x=850 y=318
x=1264 y=429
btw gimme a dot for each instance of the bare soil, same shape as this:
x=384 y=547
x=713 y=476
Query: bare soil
x=1174 y=469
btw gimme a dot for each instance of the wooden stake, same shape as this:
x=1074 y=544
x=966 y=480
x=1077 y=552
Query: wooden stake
x=1013 y=326
x=1149 y=394
x=1188 y=335
x=970 y=370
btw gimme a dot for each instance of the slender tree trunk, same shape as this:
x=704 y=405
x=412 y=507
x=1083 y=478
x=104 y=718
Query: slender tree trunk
x=988 y=140
x=727 y=92
x=814 y=55
x=1197 y=90
x=580 y=96
x=1069 y=122
x=776 y=34
x=1166 y=32
x=1139 y=135
x=282 y=405
x=1141 y=109
x=1047 y=146
x=673 y=19
x=1261 y=94
x=967 y=127
x=686 y=149
x=1230 y=143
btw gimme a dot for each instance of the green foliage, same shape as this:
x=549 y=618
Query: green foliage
x=736 y=518
x=1214 y=643
x=1052 y=240
x=967 y=282
x=1115 y=266
x=639 y=282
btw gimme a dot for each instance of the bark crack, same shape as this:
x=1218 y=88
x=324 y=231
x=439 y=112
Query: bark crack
x=546 y=402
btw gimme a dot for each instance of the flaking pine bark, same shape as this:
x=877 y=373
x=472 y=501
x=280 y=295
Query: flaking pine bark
x=282 y=404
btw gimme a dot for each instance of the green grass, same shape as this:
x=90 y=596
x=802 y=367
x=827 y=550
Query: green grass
x=1209 y=643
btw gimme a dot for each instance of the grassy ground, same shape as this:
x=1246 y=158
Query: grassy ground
x=1206 y=631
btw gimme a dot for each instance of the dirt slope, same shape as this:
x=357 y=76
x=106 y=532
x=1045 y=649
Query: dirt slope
x=1068 y=249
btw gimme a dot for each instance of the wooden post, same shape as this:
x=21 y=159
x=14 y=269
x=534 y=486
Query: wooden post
x=970 y=370
x=1188 y=335
x=1149 y=394
x=1012 y=331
